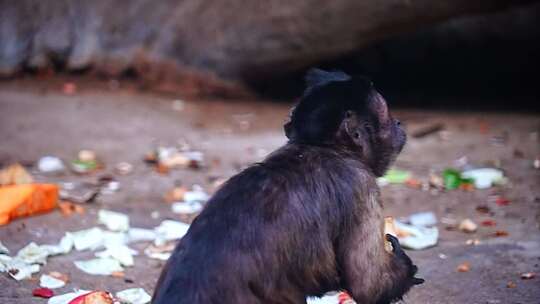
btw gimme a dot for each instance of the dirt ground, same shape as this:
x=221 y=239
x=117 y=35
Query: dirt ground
x=122 y=124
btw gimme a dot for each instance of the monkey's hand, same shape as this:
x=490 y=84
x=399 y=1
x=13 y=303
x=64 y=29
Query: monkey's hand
x=405 y=259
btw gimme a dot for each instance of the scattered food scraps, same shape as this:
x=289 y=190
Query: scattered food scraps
x=414 y=183
x=121 y=253
x=95 y=297
x=86 y=162
x=114 y=221
x=170 y=230
x=501 y=201
x=389 y=228
x=419 y=238
x=396 y=176
x=181 y=194
x=24 y=200
x=411 y=237
x=110 y=187
x=436 y=181
x=84 y=167
x=63 y=247
x=484 y=177
x=33 y=254
x=68 y=297
x=53 y=280
x=464 y=267
x=28 y=258
x=20 y=270
x=528 y=275
x=488 y=223
x=112 y=238
x=511 y=284
x=175 y=195
x=424 y=219
x=500 y=233
x=50 y=164
x=87 y=155
x=453 y=179
x=5 y=261
x=345 y=298
x=118 y=274
x=133 y=296
x=141 y=234
x=166 y=158
x=162 y=252
x=43 y=293
x=162 y=169
x=483 y=209
x=123 y=168
x=466 y=187
x=186 y=208
x=94 y=238
x=69 y=88
x=15 y=175
x=68 y=208
x=109 y=262
x=3 y=249
x=87 y=239
x=330 y=298
x=196 y=194
x=99 y=266
x=474 y=242
x=467 y=225
x=59 y=276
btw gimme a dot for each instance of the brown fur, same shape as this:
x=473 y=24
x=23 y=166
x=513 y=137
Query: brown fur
x=306 y=220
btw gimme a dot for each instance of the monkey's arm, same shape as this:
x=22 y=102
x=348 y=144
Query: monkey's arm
x=372 y=275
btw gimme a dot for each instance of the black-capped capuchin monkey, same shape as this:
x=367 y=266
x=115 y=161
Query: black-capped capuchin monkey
x=307 y=219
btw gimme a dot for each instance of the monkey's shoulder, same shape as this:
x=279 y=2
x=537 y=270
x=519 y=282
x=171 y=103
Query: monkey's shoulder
x=320 y=162
x=314 y=175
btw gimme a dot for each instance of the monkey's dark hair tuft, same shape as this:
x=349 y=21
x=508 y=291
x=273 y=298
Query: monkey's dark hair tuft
x=327 y=97
x=317 y=77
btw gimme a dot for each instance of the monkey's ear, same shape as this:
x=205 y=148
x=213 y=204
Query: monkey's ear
x=352 y=127
x=317 y=77
x=289 y=132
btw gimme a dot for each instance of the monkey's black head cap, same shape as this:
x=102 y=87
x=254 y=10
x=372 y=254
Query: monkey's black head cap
x=328 y=96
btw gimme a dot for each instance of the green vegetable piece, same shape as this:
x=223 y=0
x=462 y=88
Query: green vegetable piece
x=396 y=176
x=84 y=165
x=452 y=179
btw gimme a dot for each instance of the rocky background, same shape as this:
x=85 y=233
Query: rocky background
x=235 y=48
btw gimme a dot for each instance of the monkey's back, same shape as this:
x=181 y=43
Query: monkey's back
x=269 y=234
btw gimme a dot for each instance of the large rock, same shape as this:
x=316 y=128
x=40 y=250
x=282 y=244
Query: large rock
x=206 y=45
x=489 y=57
